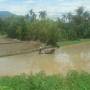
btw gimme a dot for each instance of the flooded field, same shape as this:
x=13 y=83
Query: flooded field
x=71 y=57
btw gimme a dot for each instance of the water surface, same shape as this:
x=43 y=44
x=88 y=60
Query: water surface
x=72 y=57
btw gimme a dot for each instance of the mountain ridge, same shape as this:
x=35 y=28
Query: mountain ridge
x=6 y=14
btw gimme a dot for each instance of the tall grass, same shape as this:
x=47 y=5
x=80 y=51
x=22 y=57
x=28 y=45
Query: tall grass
x=72 y=81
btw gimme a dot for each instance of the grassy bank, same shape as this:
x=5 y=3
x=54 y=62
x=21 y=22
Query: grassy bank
x=64 y=43
x=72 y=81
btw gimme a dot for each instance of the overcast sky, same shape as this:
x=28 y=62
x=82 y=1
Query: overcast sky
x=53 y=7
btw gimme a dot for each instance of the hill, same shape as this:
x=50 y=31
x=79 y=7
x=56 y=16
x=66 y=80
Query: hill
x=5 y=14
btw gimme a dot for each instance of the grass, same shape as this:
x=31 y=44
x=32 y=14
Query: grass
x=72 y=81
x=64 y=43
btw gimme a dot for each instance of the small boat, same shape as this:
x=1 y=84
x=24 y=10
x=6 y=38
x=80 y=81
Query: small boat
x=47 y=51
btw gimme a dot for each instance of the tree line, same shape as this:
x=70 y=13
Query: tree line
x=29 y=27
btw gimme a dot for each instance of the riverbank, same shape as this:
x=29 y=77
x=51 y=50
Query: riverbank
x=9 y=47
x=73 y=42
x=72 y=81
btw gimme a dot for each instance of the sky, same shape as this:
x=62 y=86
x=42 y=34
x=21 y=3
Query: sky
x=53 y=7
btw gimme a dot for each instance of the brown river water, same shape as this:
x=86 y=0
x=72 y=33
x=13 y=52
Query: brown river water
x=71 y=57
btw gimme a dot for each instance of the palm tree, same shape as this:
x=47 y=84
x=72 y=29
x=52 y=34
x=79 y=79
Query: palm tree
x=69 y=16
x=64 y=17
x=42 y=15
x=80 y=11
x=31 y=12
x=32 y=15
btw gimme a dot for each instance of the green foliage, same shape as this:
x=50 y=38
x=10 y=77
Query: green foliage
x=77 y=81
x=5 y=88
x=72 y=81
x=29 y=27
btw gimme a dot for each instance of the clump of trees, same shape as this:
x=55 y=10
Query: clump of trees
x=29 y=27
x=77 y=26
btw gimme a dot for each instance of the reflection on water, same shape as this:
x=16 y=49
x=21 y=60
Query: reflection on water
x=62 y=57
x=85 y=55
x=66 y=58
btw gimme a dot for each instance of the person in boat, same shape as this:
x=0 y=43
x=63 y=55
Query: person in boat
x=40 y=50
x=46 y=51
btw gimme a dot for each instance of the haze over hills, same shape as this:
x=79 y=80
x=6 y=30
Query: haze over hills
x=6 y=14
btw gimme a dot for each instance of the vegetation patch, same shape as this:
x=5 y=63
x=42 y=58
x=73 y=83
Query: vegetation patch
x=71 y=42
x=72 y=81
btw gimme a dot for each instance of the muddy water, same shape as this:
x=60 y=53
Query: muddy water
x=72 y=57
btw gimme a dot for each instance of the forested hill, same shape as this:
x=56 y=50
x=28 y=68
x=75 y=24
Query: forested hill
x=5 y=14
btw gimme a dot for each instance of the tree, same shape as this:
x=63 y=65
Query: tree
x=80 y=11
x=32 y=15
x=69 y=17
x=42 y=15
x=1 y=25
